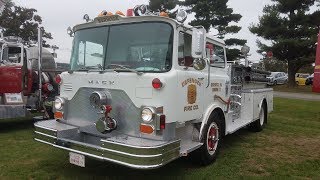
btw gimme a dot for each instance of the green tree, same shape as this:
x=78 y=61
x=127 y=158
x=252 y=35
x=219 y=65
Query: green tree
x=217 y=15
x=162 y=5
x=273 y=65
x=22 y=22
x=292 y=31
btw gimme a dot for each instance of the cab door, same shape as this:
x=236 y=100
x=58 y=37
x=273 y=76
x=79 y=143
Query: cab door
x=191 y=83
x=219 y=87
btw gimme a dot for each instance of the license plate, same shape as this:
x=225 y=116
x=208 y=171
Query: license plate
x=13 y=98
x=77 y=159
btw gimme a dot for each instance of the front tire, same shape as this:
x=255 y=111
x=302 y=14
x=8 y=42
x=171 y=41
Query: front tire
x=207 y=153
x=259 y=124
x=275 y=83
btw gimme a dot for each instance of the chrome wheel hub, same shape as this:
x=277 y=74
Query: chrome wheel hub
x=212 y=138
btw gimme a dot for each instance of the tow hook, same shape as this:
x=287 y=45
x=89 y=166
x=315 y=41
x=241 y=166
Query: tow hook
x=106 y=124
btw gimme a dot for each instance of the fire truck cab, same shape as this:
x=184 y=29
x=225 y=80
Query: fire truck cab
x=19 y=77
x=145 y=90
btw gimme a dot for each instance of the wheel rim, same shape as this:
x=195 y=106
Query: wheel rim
x=261 y=116
x=212 y=138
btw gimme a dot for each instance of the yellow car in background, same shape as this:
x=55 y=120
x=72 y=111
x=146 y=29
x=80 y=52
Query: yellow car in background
x=301 y=79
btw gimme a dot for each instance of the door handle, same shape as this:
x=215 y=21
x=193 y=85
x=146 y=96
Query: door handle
x=202 y=78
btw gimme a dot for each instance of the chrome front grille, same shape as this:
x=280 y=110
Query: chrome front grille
x=81 y=113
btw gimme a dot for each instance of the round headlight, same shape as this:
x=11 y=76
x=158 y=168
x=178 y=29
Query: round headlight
x=58 y=103
x=147 y=115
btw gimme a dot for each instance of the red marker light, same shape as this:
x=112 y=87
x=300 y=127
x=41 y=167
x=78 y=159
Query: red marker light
x=156 y=83
x=162 y=121
x=58 y=79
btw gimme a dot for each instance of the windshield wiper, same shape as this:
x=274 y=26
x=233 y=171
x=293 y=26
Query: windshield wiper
x=125 y=68
x=98 y=68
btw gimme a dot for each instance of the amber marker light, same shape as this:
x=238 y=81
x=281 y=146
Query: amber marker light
x=119 y=13
x=58 y=115
x=164 y=14
x=147 y=129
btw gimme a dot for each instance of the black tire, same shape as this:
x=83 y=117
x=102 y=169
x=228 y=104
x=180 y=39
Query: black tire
x=259 y=124
x=203 y=155
x=275 y=83
x=308 y=82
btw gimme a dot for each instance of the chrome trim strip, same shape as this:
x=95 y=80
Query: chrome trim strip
x=140 y=147
x=45 y=134
x=133 y=155
x=236 y=95
x=45 y=128
x=257 y=90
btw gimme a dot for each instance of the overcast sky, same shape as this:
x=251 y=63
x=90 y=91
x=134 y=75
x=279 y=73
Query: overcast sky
x=58 y=15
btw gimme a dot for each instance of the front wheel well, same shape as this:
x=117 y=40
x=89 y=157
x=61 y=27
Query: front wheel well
x=222 y=118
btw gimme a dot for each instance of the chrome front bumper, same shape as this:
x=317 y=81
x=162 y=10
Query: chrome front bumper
x=133 y=152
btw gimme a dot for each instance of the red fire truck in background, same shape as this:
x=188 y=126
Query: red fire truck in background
x=316 y=79
x=19 y=78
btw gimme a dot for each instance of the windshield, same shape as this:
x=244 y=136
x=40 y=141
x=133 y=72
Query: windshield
x=12 y=54
x=145 y=47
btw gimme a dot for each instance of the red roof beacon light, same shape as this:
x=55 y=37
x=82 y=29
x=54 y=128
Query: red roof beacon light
x=129 y=12
x=156 y=83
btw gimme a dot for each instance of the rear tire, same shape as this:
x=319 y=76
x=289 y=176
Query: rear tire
x=259 y=124
x=212 y=136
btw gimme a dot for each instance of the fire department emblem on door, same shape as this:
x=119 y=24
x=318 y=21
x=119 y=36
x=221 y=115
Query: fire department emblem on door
x=192 y=94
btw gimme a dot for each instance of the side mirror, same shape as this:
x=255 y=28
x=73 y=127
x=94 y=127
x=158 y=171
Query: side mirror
x=199 y=64
x=70 y=31
x=198 y=42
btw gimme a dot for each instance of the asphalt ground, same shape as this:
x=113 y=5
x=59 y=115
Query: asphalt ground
x=301 y=96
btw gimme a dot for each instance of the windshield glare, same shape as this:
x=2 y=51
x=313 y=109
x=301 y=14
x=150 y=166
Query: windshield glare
x=145 y=47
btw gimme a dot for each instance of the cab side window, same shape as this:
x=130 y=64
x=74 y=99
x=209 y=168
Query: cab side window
x=216 y=55
x=184 y=50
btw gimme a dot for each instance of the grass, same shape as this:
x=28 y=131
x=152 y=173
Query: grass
x=288 y=148
x=296 y=89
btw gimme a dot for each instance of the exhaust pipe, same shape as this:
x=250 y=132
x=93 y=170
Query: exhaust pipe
x=39 y=66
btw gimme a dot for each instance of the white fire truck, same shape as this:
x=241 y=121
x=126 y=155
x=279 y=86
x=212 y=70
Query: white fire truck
x=145 y=90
